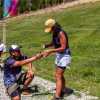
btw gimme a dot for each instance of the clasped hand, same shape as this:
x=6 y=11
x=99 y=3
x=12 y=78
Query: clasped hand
x=44 y=53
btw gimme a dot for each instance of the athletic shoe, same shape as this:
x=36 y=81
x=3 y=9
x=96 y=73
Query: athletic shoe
x=66 y=91
x=57 y=98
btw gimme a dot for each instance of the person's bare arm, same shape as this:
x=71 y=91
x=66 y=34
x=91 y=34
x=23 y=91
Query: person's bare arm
x=26 y=61
x=29 y=66
x=30 y=72
x=62 y=42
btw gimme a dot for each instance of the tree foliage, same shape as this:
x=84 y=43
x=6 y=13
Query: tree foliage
x=38 y=4
x=30 y=5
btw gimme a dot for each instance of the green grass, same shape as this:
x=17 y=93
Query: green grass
x=0 y=32
x=83 y=26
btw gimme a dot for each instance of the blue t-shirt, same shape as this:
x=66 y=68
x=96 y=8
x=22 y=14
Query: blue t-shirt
x=10 y=72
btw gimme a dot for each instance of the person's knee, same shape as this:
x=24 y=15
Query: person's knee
x=15 y=98
x=15 y=95
x=31 y=77
x=58 y=76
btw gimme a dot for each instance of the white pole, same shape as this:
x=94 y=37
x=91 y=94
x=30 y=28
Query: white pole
x=4 y=34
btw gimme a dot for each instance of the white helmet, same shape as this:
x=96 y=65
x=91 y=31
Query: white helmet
x=14 y=48
x=2 y=47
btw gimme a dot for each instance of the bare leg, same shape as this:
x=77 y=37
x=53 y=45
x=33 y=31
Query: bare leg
x=16 y=98
x=63 y=81
x=28 y=80
x=59 y=81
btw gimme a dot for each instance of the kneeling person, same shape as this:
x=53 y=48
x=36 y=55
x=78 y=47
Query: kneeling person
x=12 y=71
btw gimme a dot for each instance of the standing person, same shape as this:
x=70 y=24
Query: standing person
x=12 y=72
x=63 y=55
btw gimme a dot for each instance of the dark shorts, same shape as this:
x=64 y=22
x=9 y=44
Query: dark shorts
x=20 y=81
x=22 y=78
x=15 y=93
x=63 y=68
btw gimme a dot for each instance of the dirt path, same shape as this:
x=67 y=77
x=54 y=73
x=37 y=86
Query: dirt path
x=44 y=91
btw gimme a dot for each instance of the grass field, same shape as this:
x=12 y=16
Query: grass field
x=83 y=26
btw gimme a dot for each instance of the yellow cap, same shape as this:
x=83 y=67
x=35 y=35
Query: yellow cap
x=49 y=24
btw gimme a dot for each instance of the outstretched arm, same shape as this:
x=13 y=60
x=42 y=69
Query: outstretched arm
x=60 y=49
x=26 y=61
x=30 y=70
